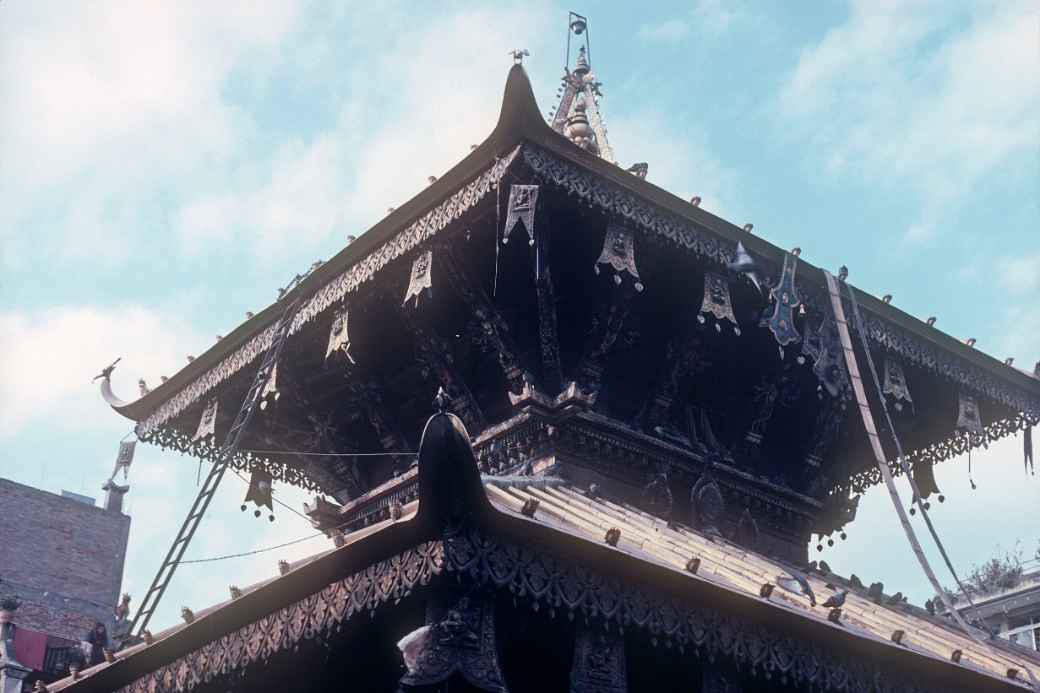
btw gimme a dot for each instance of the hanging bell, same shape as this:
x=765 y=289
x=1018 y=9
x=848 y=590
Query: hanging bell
x=578 y=25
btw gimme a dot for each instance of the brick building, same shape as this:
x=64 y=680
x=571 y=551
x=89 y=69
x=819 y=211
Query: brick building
x=61 y=560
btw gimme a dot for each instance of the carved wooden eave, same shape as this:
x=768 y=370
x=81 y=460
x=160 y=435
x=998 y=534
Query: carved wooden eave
x=554 y=557
x=521 y=137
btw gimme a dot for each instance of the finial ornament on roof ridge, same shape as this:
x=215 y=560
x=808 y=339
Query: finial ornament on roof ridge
x=518 y=55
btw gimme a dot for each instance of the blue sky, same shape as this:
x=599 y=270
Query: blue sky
x=165 y=167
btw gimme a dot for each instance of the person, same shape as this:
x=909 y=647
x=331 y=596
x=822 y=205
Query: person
x=97 y=638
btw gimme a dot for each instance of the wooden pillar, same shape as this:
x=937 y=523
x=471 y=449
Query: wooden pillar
x=599 y=662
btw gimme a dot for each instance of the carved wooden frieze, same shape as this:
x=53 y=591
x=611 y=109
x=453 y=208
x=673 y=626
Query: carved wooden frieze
x=461 y=640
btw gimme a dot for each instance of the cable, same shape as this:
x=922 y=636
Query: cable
x=899 y=452
x=251 y=553
x=834 y=289
x=331 y=454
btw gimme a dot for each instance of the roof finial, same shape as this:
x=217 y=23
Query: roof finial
x=581 y=65
x=518 y=55
x=441 y=401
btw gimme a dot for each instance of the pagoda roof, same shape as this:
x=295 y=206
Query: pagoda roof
x=522 y=134
x=650 y=560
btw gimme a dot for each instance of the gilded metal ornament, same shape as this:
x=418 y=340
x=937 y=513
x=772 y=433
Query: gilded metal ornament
x=619 y=252
x=717 y=301
x=523 y=200
x=786 y=300
x=208 y=423
x=421 y=279
x=339 y=338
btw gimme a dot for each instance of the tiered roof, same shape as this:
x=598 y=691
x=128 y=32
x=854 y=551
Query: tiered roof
x=549 y=543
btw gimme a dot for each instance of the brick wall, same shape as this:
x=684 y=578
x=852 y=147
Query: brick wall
x=64 y=559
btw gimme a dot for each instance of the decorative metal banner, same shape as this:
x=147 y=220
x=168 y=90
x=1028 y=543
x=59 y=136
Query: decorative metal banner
x=619 y=252
x=126 y=454
x=924 y=479
x=599 y=662
x=522 y=202
x=895 y=385
x=1027 y=449
x=968 y=417
x=718 y=302
x=260 y=492
x=339 y=340
x=208 y=423
x=824 y=347
x=270 y=394
x=421 y=280
x=781 y=324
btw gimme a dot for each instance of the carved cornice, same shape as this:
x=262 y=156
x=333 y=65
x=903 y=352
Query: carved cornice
x=544 y=581
x=568 y=588
x=317 y=615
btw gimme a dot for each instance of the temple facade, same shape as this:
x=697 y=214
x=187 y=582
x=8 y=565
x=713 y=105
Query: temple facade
x=641 y=415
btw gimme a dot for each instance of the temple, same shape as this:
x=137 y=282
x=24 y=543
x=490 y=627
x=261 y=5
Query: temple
x=643 y=414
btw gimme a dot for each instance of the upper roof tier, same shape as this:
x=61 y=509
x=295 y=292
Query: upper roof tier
x=523 y=141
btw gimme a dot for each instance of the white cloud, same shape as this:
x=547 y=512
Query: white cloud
x=343 y=181
x=103 y=103
x=681 y=164
x=908 y=95
x=668 y=31
x=51 y=355
x=1020 y=274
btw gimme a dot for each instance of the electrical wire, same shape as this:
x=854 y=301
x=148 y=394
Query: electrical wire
x=834 y=288
x=899 y=452
x=251 y=553
x=331 y=454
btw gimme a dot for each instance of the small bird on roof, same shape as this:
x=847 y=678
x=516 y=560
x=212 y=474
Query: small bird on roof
x=896 y=599
x=843 y=273
x=825 y=568
x=797 y=583
x=835 y=600
x=876 y=591
x=855 y=581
